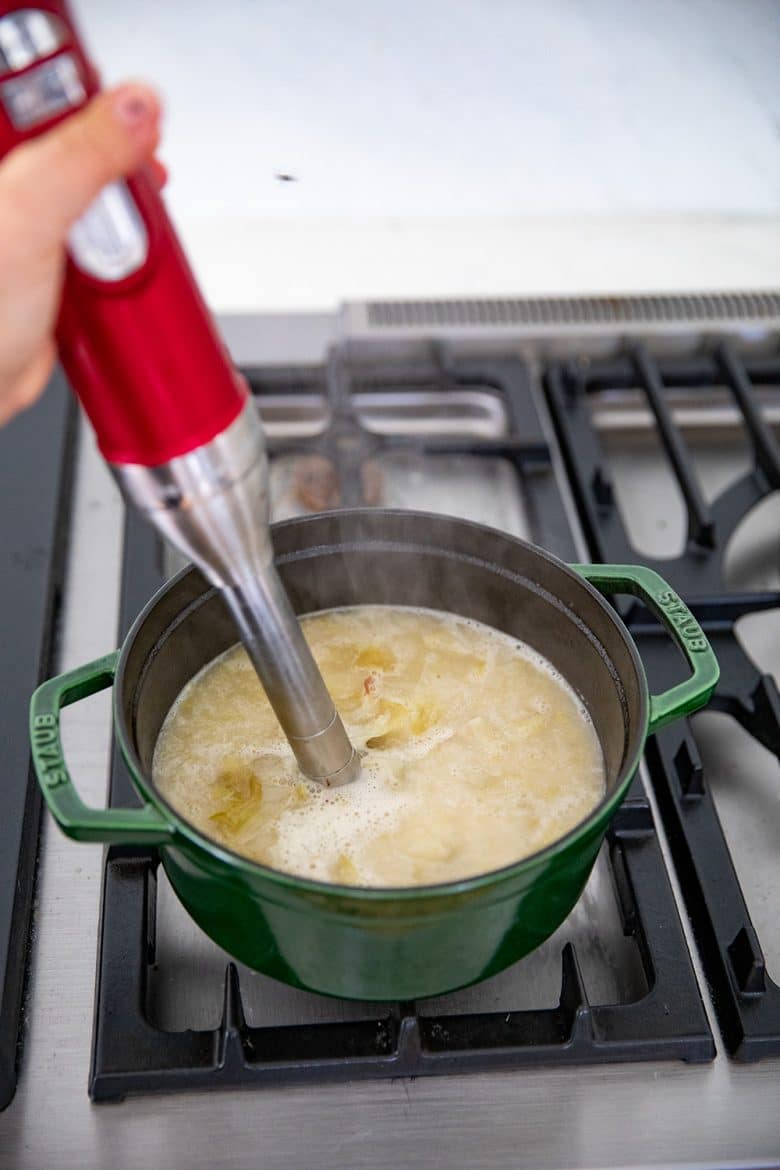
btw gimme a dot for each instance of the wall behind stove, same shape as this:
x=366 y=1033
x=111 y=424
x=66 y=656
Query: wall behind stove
x=445 y=147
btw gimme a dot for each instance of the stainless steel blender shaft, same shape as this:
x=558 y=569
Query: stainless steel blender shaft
x=212 y=504
x=281 y=656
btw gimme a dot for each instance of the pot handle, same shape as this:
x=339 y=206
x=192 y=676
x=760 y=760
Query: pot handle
x=686 y=697
x=142 y=826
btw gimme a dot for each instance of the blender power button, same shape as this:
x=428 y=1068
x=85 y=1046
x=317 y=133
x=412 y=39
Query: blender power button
x=109 y=241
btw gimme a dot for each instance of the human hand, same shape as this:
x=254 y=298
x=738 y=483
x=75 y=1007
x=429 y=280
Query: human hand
x=45 y=185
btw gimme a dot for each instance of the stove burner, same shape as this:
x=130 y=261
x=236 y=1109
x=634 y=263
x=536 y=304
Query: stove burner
x=747 y=1001
x=666 y=1021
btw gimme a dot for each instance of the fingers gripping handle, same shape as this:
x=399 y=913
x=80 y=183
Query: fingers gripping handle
x=135 y=336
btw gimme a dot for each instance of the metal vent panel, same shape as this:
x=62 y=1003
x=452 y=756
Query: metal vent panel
x=540 y=314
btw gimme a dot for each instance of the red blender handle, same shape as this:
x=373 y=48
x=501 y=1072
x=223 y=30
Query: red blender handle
x=135 y=337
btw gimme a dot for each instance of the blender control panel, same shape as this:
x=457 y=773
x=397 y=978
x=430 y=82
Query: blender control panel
x=39 y=80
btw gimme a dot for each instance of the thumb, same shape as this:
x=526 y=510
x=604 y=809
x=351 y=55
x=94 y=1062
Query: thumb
x=54 y=178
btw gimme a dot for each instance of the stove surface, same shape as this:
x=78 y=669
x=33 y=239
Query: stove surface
x=32 y=561
x=717 y=1112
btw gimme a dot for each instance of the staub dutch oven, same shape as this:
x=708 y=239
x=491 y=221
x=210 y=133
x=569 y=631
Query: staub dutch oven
x=380 y=943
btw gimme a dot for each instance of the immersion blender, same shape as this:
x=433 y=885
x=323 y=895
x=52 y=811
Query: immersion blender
x=172 y=417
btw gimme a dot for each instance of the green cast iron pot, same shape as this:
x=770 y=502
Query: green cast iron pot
x=378 y=944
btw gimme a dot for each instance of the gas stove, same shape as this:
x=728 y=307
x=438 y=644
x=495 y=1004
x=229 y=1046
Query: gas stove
x=646 y=1031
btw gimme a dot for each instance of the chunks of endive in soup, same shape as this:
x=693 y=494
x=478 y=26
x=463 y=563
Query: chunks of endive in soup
x=476 y=753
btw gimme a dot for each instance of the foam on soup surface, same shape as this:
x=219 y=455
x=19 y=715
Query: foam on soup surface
x=476 y=752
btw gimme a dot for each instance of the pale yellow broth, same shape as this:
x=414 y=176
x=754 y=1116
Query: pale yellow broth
x=476 y=753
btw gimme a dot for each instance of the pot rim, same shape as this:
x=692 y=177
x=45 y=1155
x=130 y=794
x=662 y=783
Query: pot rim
x=603 y=811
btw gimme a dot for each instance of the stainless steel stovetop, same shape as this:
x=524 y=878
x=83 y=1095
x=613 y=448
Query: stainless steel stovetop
x=720 y=1113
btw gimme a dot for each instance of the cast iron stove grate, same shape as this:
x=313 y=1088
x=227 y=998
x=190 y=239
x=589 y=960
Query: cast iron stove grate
x=132 y=1055
x=746 y=999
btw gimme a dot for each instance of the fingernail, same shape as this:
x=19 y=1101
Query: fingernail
x=133 y=107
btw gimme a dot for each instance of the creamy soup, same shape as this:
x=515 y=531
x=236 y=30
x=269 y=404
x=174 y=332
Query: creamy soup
x=476 y=752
